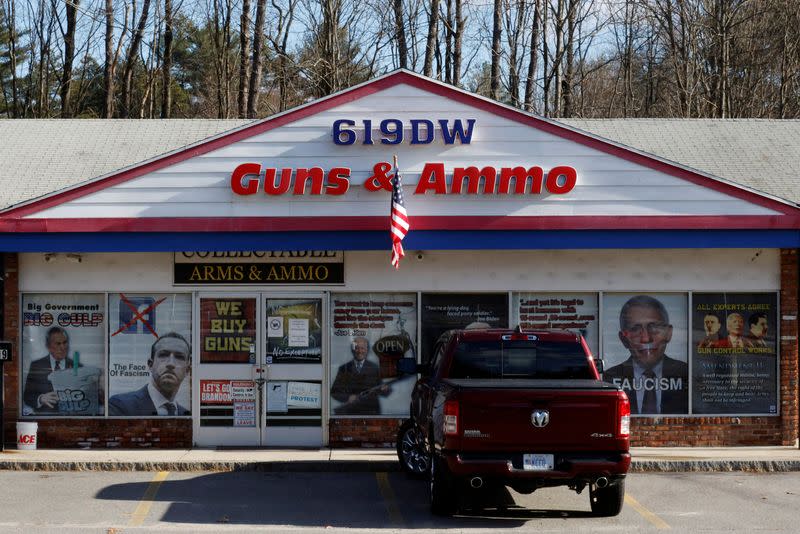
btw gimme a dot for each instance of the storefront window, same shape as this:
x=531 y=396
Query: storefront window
x=63 y=355
x=369 y=333
x=150 y=355
x=576 y=312
x=294 y=330
x=447 y=311
x=734 y=353
x=227 y=330
x=644 y=348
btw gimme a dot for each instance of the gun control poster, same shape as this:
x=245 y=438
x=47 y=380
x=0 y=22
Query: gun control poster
x=735 y=353
x=136 y=322
x=294 y=330
x=576 y=312
x=70 y=330
x=446 y=311
x=370 y=332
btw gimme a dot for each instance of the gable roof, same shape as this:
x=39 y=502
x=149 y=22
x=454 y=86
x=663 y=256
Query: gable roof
x=79 y=189
x=762 y=154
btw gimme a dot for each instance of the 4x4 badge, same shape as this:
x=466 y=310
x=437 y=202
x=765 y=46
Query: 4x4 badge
x=540 y=418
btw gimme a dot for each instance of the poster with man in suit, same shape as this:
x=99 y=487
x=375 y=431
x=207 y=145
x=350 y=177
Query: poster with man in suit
x=738 y=374
x=150 y=355
x=639 y=330
x=63 y=354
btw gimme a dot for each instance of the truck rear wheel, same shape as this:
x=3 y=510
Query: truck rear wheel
x=444 y=498
x=412 y=451
x=607 y=502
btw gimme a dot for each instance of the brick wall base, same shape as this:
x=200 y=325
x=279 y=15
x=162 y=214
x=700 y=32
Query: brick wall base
x=363 y=432
x=118 y=433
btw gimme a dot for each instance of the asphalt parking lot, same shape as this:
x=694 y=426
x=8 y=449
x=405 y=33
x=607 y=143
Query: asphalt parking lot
x=114 y=502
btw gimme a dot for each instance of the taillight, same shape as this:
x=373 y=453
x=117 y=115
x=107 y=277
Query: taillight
x=624 y=410
x=451 y=418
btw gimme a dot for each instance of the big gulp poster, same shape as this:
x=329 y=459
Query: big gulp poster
x=63 y=346
x=369 y=334
x=735 y=353
x=149 y=354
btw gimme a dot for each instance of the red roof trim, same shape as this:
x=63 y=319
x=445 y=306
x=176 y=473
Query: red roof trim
x=288 y=224
x=437 y=88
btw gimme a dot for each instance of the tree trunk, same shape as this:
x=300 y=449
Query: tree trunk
x=400 y=34
x=457 y=36
x=108 y=67
x=255 y=72
x=430 y=43
x=244 y=59
x=69 y=56
x=12 y=59
x=530 y=79
x=166 y=68
x=133 y=51
x=494 y=83
x=569 y=57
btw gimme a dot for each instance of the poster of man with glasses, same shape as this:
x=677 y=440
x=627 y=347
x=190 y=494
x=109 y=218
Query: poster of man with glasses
x=639 y=331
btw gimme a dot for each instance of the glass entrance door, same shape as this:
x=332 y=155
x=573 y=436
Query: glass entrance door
x=295 y=352
x=227 y=370
x=259 y=369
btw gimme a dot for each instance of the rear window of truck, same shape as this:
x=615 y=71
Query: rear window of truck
x=520 y=359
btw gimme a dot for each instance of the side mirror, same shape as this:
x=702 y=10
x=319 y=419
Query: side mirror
x=598 y=364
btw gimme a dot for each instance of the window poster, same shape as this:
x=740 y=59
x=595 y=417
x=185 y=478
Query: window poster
x=447 y=311
x=369 y=334
x=294 y=330
x=577 y=312
x=150 y=355
x=227 y=330
x=735 y=353
x=63 y=354
x=644 y=350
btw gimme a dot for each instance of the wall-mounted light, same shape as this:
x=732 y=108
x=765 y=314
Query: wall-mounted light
x=50 y=257
x=74 y=258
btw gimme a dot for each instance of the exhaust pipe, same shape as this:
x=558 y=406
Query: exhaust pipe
x=601 y=482
x=476 y=482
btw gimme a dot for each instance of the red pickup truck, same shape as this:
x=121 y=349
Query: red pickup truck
x=520 y=409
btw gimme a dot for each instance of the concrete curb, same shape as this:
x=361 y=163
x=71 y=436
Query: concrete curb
x=355 y=466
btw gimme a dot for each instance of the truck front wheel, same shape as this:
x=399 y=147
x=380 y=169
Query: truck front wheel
x=607 y=502
x=444 y=499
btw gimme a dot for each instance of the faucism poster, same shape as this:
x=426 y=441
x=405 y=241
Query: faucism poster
x=446 y=311
x=370 y=332
x=735 y=353
x=149 y=354
x=63 y=345
x=227 y=330
x=576 y=312
x=645 y=338
x=294 y=330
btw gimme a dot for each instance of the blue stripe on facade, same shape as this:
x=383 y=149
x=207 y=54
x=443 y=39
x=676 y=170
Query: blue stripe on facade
x=416 y=240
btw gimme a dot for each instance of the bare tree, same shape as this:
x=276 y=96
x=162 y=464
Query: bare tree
x=494 y=85
x=400 y=34
x=431 y=41
x=69 y=54
x=244 y=59
x=166 y=66
x=255 y=71
x=130 y=59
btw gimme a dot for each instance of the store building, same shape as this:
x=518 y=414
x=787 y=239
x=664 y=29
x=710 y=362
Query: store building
x=218 y=283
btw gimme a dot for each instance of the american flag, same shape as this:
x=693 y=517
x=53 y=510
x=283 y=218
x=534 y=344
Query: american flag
x=400 y=223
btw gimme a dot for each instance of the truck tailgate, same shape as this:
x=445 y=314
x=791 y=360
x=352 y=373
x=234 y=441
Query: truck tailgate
x=582 y=415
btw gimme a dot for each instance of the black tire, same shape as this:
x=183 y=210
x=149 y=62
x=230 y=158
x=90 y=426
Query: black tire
x=412 y=451
x=443 y=494
x=607 y=502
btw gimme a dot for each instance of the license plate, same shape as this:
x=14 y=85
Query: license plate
x=537 y=462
